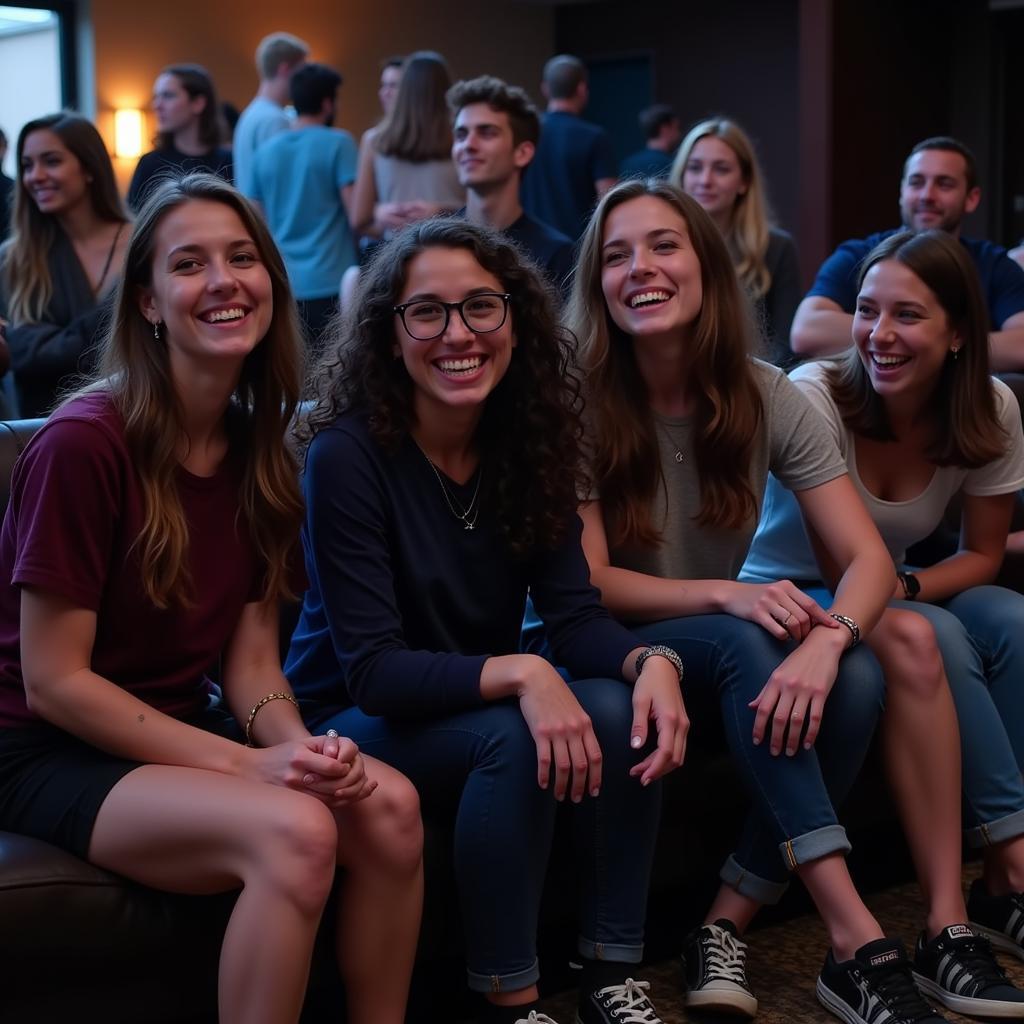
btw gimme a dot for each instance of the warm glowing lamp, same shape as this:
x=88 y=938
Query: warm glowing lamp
x=128 y=133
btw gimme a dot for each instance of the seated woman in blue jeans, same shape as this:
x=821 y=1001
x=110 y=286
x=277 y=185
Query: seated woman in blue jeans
x=919 y=420
x=684 y=428
x=441 y=480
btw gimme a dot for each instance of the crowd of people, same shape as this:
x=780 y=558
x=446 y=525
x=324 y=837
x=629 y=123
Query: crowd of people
x=550 y=393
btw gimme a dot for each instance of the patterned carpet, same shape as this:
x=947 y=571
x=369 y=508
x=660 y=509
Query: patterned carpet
x=783 y=962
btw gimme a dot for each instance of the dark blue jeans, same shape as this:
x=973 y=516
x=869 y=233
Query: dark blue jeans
x=483 y=765
x=728 y=661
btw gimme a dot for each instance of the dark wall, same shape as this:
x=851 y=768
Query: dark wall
x=731 y=57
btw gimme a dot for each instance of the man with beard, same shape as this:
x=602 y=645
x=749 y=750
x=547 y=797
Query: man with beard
x=303 y=180
x=938 y=189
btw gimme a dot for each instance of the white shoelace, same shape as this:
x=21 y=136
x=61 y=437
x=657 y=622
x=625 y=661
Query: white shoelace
x=536 y=1018
x=629 y=1003
x=726 y=955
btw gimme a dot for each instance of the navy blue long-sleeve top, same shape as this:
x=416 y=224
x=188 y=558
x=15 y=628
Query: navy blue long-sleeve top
x=405 y=605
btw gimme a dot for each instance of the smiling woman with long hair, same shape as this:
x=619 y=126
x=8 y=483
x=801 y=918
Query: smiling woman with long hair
x=919 y=420
x=717 y=164
x=152 y=525
x=59 y=267
x=685 y=427
x=440 y=487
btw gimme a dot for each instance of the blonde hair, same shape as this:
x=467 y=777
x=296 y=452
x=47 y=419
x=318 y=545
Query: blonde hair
x=728 y=407
x=135 y=369
x=24 y=258
x=751 y=215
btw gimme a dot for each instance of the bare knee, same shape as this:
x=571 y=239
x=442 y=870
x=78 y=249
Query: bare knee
x=906 y=646
x=384 y=830
x=295 y=850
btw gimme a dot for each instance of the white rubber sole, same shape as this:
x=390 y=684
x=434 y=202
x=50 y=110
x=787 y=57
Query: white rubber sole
x=971 y=1007
x=999 y=940
x=835 y=1005
x=737 y=1003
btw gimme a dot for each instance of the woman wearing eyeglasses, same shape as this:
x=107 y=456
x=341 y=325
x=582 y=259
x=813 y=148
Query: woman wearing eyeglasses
x=441 y=484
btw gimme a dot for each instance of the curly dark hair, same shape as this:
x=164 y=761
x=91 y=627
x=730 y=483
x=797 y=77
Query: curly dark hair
x=530 y=431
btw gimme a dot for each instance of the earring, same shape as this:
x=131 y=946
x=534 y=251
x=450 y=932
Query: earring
x=156 y=330
x=956 y=353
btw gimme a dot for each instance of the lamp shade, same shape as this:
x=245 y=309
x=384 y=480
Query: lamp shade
x=128 y=133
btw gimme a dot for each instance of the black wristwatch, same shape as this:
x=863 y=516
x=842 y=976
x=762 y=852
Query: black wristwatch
x=911 y=585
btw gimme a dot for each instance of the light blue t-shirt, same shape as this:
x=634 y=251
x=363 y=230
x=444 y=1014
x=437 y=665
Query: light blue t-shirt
x=298 y=178
x=781 y=548
x=257 y=124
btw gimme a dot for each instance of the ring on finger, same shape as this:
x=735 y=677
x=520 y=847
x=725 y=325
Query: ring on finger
x=785 y=621
x=796 y=715
x=332 y=734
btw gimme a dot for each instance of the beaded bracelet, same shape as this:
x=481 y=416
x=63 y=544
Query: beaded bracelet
x=252 y=714
x=849 y=624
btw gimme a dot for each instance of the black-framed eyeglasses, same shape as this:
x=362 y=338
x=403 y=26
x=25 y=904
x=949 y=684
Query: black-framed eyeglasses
x=427 y=319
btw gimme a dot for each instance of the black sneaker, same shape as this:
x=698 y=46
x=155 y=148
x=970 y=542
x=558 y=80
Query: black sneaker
x=958 y=969
x=618 y=1004
x=999 y=918
x=713 y=968
x=875 y=987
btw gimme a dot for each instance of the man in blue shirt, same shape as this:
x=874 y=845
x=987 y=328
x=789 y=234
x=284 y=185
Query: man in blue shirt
x=573 y=166
x=663 y=134
x=494 y=139
x=303 y=179
x=939 y=188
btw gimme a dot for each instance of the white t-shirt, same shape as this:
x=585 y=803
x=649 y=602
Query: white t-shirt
x=781 y=549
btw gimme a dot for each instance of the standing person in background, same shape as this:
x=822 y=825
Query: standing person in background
x=303 y=180
x=662 y=132
x=574 y=165
x=717 y=165
x=6 y=191
x=390 y=80
x=278 y=57
x=405 y=170
x=58 y=268
x=189 y=133
x=496 y=132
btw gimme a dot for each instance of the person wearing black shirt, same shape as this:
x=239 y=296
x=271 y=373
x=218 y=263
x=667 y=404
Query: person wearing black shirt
x=188 y=118
x=440 y=487
x=495 y=137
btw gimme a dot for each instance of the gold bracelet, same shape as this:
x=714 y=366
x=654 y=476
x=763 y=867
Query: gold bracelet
x=252 y=714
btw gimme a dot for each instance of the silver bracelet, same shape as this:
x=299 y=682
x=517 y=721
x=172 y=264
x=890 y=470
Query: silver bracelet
x=662 y=651
x=849 y=624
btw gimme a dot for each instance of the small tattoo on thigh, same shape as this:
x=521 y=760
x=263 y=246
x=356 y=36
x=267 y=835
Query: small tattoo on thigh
x=142 y=718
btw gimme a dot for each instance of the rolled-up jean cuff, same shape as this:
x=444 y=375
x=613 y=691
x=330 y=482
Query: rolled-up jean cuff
x=746 y=883
x=504 y=982
x=607 y=951
x=998 y=831
x=812 y=845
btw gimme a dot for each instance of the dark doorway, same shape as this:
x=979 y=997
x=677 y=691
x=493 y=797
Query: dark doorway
x=620 y=87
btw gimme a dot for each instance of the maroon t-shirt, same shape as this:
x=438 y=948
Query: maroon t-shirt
x=75 y=512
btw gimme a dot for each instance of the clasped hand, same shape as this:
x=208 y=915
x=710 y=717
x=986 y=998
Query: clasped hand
x=327 y=767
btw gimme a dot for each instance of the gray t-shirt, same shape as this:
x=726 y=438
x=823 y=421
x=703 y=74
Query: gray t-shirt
x=793 y=443
x=781 y=549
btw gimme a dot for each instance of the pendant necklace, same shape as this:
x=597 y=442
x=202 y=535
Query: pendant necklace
x=678 y=456
x=466 y=514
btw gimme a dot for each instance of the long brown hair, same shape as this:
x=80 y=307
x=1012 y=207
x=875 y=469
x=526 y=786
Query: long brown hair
x=720 y=379
x=962 y=407
x=530 y=430
x=196 y=81
x=418 y=128
x=135 y=369
x=751 y=216
x=24 y=257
